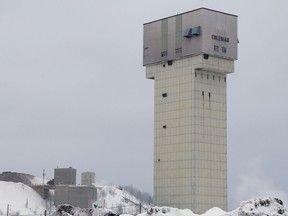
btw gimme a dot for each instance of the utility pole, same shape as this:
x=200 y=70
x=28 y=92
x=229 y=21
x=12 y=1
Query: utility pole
x=140 y=208
x=7 y=209
x=43 y=175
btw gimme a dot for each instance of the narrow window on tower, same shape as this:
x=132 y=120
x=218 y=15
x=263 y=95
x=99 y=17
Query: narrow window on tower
x=216 y=48
x=207 y=76
x=203 y=99
x=224 y=79
x=223 y=49
x=209 y=100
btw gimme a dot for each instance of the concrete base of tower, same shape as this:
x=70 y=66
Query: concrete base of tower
x=190 y=145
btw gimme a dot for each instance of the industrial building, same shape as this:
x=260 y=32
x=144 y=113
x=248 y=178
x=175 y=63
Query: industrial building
x=65 y=176
x=76 y=195
x=88 y=178
x=63 y=190
x=67 y=192
x=189 y=56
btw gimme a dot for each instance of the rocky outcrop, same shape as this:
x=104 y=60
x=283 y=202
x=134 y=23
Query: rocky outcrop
x=261 y=207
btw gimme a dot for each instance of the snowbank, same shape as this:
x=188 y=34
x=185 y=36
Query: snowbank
x=20 y=199
x=255 y=207
x=260 y=207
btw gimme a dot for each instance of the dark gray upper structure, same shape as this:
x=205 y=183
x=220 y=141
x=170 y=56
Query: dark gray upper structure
x=192 y=33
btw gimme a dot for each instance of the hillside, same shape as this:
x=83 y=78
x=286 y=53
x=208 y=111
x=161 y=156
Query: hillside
x=120 y=200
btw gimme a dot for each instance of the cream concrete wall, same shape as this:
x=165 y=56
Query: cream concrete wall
x=190 y=149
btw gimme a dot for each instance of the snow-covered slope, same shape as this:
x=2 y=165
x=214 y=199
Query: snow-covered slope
x=119 y=200
x=19 y=199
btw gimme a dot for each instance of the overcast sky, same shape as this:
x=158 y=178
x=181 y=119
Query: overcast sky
x=73 y=91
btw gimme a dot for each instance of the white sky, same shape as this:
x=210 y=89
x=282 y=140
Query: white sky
x=73 y=91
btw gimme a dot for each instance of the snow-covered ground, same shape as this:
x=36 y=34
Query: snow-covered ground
x=20 y=199
x=255 y=207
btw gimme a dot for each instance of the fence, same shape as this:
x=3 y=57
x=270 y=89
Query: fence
x=131 y=209
x=12 y=210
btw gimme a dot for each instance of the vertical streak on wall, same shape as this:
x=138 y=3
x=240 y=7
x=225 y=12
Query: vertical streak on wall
x=164 y=35
x=178 y=42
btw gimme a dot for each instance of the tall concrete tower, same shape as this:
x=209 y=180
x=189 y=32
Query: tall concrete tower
x=189 y=56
